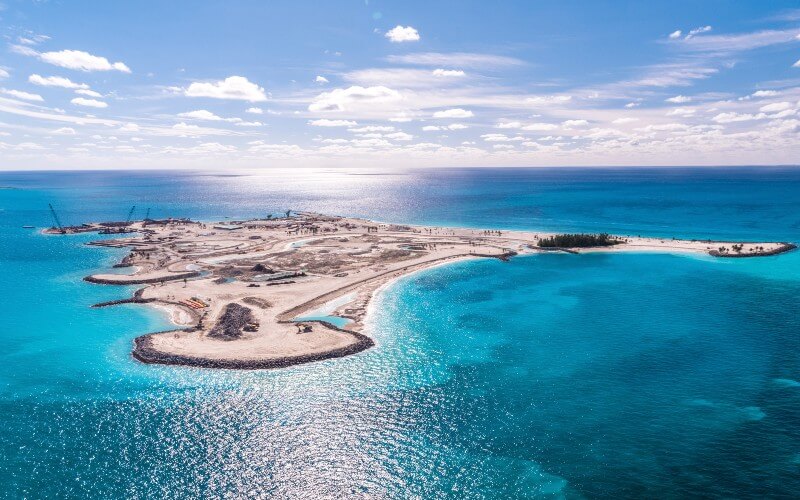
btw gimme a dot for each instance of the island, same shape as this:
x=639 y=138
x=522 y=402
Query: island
x=281 y=291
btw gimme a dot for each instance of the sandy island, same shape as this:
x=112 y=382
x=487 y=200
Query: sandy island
x=236 y=288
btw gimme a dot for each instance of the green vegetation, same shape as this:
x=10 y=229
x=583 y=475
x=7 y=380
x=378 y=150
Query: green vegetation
x=579 y=241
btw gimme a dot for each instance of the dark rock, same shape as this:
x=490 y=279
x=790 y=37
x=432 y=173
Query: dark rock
x=232 y=322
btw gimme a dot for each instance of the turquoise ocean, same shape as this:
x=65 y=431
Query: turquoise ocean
x=550 y=376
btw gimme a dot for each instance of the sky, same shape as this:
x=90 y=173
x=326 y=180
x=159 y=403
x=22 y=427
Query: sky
x=368 y=83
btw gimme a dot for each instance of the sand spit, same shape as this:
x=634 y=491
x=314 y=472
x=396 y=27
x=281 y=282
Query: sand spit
x=250 y=280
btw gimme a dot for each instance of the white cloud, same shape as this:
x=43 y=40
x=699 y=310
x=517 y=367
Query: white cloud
x=448 y=72
x=254 y=111
x=204 y=114
x=734 y=117
x=33 y=39
x=775 y=107
x=763 y=93
x=549 y=99
x=92 y=103
x=460 y=59
x=401 y=118
x=184 y=126
x=4 y=73
x=399 y=136
x=739 y=42
x=342 y=99
x=129 y=127
x=632 y=105
x=452 y=126
x=574 y=123
x=191 y=130
x=372 y=128
x=233 y=87
x=406 y=78
x=454 y=113
x=332 y=123
x=22 y=95
x=80 y=60
x=28 y=146
x=501 y=138
x=23 y=50
x=320 y=79
x=55 y=81
x=681 y=112
x=539 y=127
x=675 y=34
x=682 y=73
x=90 y=93
x=64 y=131
x=665 y=127
x=508 y=125
x=400 y=34
x=623 y=120
x=240 y=123
x=796 y=64
x=697 y=31
x=679 y=99
x=200 y=114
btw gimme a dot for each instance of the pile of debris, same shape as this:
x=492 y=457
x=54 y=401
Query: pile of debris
x=261 y=268
x=258 y=302
x=235 y=319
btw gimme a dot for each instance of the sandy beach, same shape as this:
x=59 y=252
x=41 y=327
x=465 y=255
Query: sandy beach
x=236 y=288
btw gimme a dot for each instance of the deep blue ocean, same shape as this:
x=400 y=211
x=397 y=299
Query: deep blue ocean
x=550 y=376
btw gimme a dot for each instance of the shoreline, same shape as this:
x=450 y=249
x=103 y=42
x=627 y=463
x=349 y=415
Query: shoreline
x=250 y=280
x=144 y=352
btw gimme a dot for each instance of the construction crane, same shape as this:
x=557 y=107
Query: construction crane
x=147 y=215
x=56 y=219
x=130 y=214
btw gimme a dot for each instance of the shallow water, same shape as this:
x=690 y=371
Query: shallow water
x=636 y=375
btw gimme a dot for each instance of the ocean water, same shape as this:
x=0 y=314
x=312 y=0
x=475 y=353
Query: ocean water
x=549 y=376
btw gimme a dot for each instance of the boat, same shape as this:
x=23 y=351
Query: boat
x=28 y=227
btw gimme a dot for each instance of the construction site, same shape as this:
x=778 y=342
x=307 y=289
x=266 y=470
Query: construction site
x=282 y=290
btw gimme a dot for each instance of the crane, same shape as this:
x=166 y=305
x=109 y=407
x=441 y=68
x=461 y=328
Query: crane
x=130 y=214
x=146 y=218
x=56 y=219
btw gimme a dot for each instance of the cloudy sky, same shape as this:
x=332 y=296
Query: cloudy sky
x=355 y=83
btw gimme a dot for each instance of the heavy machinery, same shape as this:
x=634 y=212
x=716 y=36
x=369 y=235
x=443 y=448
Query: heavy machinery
x=146 y=217
x=56 y=219
x=130 y=214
